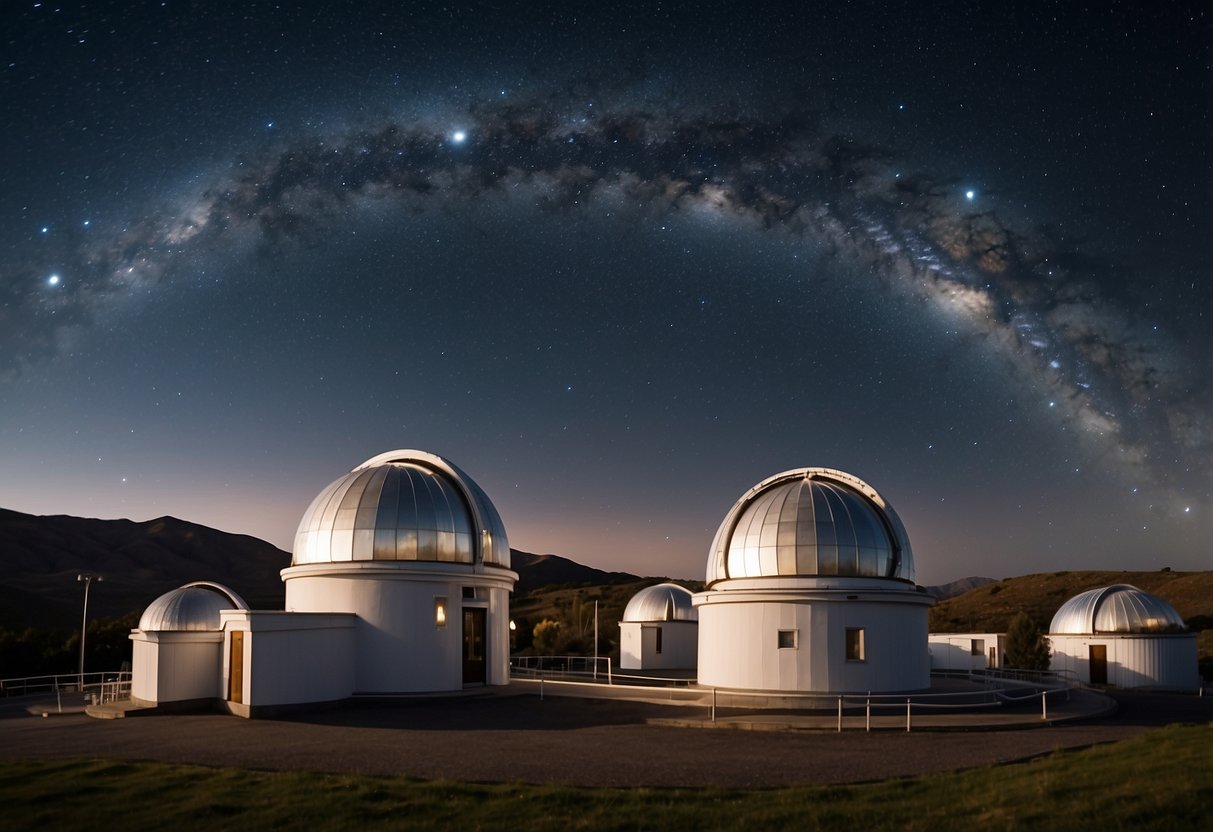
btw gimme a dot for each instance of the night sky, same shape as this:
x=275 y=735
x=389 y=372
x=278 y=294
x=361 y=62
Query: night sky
x=619 y=262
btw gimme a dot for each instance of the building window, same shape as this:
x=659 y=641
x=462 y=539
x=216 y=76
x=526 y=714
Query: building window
x=440 y=612
x=787 y=639
x=977 y=647
x=469 y=592
x=855 y=647
x=658 y=650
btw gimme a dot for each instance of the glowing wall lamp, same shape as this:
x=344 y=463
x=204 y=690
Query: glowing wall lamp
x=439 y=612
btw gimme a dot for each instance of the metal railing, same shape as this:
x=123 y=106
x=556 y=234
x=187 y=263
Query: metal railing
x=103 y=686
x=580 y=667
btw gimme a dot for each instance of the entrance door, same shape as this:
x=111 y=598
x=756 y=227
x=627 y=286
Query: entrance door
x=473 y=646
x=235 y=672
x=1098 y=663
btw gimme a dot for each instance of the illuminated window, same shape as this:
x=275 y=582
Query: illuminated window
x=440 y=612
x=855 y=651
x=787 y=639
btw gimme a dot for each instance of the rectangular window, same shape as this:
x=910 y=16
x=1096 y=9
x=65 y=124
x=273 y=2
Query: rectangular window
x=977 y=647
x=439 y=612
x=658 y=639
x=469 y=592
x=787 y=639
x=855 y=647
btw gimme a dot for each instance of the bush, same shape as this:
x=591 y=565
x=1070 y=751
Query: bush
x=1027 y=648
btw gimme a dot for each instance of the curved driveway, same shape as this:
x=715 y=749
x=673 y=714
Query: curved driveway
x=558 y=740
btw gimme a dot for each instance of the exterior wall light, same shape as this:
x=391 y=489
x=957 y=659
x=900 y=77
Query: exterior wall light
x=440 y=612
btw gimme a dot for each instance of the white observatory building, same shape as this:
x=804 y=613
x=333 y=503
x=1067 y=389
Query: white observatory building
x=659 y=630
x=810 y=588
x=1122 y=636
x=399 y=583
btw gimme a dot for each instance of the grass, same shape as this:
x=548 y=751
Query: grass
x=1161 y=780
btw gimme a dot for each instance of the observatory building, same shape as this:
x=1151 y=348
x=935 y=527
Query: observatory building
x=399 y=583
x=659 y=630
x=810 y=588
x=1120 y=635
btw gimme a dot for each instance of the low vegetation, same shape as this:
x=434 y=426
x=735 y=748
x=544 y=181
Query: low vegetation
x=1161 y=780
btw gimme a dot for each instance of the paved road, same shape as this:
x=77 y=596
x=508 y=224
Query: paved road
x=568 y=741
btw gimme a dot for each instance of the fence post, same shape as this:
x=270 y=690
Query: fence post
x=713 y=704
x=907 y=714
x=868 y=715
x=1044 y=705
x=840 y=714
x=540 y=688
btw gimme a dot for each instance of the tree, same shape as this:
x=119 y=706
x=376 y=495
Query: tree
x=1027 y=648
x=546 y=633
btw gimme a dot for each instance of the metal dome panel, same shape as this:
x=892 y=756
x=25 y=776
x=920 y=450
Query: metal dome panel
x=811 y=522
x=1120 y=608
x=662 y=602
x=195 y=607
x=402 y=506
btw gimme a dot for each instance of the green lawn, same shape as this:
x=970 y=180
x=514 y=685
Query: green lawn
x=1161 y=780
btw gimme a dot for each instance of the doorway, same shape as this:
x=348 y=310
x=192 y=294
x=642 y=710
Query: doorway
x=474 y=665
x=235 y=671
x=1097 y=658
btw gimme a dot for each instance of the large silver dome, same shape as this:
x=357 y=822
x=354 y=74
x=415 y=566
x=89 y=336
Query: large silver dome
x=810 y=522
x=403 y=505
x=663 y=602
x=1120 y=608
x=194 y=606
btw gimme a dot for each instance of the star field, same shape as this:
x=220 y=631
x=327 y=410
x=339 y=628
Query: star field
x=619 y=265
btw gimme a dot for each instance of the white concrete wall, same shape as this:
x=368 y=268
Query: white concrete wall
x=638 y=645
x=293 y=658
x=176 y=666
x=1134 y=661
x=738 y=638
x=398 y=647
x=953 y=651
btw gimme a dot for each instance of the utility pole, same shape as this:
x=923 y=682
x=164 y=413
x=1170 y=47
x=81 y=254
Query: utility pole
x=87 y=578
x=595 y=639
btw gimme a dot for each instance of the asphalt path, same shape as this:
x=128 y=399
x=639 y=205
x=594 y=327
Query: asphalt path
x=560 y=740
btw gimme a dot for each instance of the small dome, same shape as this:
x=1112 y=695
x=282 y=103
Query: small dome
x=810 y=522
x=402 y=506
x=194 y=606
x=1119 y=608
x=663 y=602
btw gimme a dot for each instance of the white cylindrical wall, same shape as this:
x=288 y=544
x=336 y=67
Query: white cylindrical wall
x=638 y=645
x=176 y=666
x=1166 y=661
x=739 y=634
x=400 y=647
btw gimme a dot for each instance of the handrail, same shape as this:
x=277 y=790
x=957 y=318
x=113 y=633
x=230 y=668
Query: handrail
x=102 y=680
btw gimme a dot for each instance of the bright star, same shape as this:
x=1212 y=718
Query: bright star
x=46 y=229
x=87 y=223
x=970 y=194
x=459 y=137
x=53 y=280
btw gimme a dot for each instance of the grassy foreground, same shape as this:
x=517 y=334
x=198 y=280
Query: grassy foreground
x=1161 y=780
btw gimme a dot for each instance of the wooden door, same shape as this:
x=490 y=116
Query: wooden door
x=474 y=665
x=235 y=673
x=1098 y=663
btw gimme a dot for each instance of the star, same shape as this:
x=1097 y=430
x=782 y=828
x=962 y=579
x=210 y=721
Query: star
x=459 y=137
x=53 y=280
x=970 y=195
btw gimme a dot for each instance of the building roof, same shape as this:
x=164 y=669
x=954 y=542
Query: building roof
x=1120 y=608
x=403 y=505
x=811 y=522
x=662 y=602
x=194 y=607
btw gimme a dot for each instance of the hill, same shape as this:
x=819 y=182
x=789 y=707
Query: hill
x=41 y=556
x=535 y=571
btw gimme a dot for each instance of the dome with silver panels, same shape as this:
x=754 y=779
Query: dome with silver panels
x=662 y=602
x=811 y=522
x=194 y=606
x=403 y=505
x=1120 y=608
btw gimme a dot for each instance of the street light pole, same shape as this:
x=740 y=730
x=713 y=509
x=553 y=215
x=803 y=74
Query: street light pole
x=87 y=578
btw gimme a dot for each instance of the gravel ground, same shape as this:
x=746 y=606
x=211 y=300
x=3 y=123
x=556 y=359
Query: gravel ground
x=558 y=740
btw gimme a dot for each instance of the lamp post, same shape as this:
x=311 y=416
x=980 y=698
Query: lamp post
x=87 y=578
